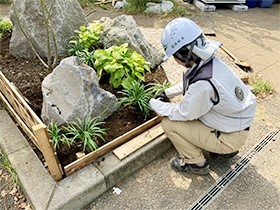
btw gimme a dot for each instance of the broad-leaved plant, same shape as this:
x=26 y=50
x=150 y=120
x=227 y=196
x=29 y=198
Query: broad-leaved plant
x=123 y=66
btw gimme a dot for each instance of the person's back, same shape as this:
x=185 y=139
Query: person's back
x=237 y=104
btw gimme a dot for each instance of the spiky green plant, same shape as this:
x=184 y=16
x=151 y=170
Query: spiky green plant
x=138 y=95
x=7 y=166
x=74 y=47
x=87 y=57
x=86 y=133
x=57 y=136
x=158 y=87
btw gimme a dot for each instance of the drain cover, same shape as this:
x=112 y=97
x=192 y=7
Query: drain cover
x=203 y=201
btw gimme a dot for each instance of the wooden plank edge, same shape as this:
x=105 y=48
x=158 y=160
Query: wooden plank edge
x=89 y=158
x=47 y=149
x=18 y=119
x=12 y=87
x=137 y=142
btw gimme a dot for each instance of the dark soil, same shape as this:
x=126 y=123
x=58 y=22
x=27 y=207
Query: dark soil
x=28 y=74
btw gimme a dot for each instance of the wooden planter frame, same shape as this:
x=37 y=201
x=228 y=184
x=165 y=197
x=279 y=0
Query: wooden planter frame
x=36 y=130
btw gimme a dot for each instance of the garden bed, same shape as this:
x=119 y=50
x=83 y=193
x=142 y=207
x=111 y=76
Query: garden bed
x=28 y=74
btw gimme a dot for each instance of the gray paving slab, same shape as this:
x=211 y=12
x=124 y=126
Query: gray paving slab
x=35 y=179
x=10 y=140
x=78 y=189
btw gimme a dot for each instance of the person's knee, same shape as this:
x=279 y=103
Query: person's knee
x=165 y=123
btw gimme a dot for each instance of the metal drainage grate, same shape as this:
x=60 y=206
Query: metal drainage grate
x=203 y=201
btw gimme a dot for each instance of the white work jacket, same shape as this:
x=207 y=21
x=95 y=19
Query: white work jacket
x=234 y=112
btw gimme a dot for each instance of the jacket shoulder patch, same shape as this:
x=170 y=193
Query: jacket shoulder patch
x=239 y=93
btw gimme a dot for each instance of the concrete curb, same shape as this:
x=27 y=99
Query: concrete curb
x=80 y=188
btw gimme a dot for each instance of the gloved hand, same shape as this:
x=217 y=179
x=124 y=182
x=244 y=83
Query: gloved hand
x=162 y=96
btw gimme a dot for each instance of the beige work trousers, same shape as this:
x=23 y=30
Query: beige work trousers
x=190 y=138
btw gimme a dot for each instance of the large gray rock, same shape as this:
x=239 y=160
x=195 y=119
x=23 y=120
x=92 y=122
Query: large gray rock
x=72 y=91
x=123 y=29
x=67 y=16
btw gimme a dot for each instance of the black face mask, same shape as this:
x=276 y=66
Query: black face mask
x=185 y=60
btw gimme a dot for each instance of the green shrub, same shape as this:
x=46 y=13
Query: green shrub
x=139 y=6
x=86 y=39
x=136 y=6
x=6 y=27
x=261 y=86
x=122 y=65
x=82 y=134
x=5 y=1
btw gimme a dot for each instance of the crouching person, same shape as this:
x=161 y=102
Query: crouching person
x=217 y=108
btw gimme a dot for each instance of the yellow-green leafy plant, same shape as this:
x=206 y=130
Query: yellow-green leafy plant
x=123 y=66
x=6 y=27
x=86 y=39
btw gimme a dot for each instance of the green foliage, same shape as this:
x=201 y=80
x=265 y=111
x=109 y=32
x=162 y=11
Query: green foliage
x=84 y=3
x=136 y=6
x=74 y=47
x=86 y=133
x=122 y=65
x=261 y=86
x=87 y=57
x=139 y=6
x=138 y=95
x=86 y=39
x=179 y=10
x=6 y=27
x=7 y=166
x=58 y=137
x=158 y=88
x=83 y=134
x=5 y=1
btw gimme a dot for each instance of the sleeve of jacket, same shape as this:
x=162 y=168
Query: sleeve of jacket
x=174 y=90
x=195 y=103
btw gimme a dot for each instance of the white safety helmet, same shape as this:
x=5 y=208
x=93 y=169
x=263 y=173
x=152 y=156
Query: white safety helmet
x=178 y=33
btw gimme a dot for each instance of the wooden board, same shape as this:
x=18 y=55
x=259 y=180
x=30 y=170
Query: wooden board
x=138 y=142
